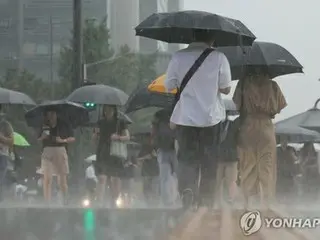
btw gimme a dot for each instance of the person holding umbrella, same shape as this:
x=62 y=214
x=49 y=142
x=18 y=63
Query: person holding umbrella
x=199 y=110
x=6 y=144
x=109 y=129
x=55 y=136
x=258 y=99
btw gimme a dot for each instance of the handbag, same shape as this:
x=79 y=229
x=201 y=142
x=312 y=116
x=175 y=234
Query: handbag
x=118 y=148
x=190 y=73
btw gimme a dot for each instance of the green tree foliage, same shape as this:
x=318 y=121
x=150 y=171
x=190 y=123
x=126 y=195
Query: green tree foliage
x=124 y=69
x=28 y=83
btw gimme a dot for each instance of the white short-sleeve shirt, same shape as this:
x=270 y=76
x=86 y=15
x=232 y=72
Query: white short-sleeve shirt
x=200 y=104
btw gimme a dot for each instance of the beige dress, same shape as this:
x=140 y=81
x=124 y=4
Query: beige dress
x=262 y=100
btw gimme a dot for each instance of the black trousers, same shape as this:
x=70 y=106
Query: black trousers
x=198 y=155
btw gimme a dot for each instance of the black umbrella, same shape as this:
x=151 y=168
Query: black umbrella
x=98 y=94
x=8 y=96
x=71 y=112
x=268 y=57
x=185 y=26
x=143 y=98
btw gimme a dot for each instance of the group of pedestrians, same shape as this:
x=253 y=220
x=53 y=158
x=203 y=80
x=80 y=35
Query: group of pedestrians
x=199 y=119
x=195 y=144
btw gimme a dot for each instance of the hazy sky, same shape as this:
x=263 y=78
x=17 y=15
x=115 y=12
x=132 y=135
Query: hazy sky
x=295 y=25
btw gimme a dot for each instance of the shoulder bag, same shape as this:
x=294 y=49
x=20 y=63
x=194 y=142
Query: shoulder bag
x=118 y=148
x=190 y=73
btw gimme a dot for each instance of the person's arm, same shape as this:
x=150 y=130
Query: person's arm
x=224 y=76
x=69 y=132
x=237 y=95
x=124 y=133
x=280 y=99
x=145 y=157
x=171 y=82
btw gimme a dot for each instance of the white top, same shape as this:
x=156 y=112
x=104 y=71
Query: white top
x=90 y=173
x=200 y=104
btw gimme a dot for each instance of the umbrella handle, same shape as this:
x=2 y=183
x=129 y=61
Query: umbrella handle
x=316 y=103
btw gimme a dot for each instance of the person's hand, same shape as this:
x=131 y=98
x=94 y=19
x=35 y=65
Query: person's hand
x=115 y=137
x=43 y=136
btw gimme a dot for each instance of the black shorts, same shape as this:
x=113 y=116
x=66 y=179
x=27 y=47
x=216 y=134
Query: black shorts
x=111 y=167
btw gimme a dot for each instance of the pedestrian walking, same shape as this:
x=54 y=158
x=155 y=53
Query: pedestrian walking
x=55 y=136
x=259 y=99
x=6 y=145
x=164 y=142
x=227 y=172
x=110 y=128
x=201 y=75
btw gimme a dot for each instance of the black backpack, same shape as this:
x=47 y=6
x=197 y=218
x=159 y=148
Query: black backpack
x=163 y=135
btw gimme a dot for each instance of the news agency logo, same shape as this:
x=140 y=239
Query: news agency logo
x=250 y=222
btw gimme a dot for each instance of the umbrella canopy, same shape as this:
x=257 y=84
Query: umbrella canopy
x=19 y=140
x=143 y=98
x=296 y=134
x=270 y=58
x=13 y=97
x=141 y=130
x=313 y=120
x=303 y=119
x=158 y=85
x=73 y=113
x=184 y=26
x=124 y=117
x=99 y=94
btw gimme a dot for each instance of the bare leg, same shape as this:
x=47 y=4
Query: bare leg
x=47 y=185
x=63 y=186
x=115 y=187
x=219 y=186
x=232 y=190
x=231 y=173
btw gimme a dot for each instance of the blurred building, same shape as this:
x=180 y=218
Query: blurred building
x=31 y=31
x=148 y=7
